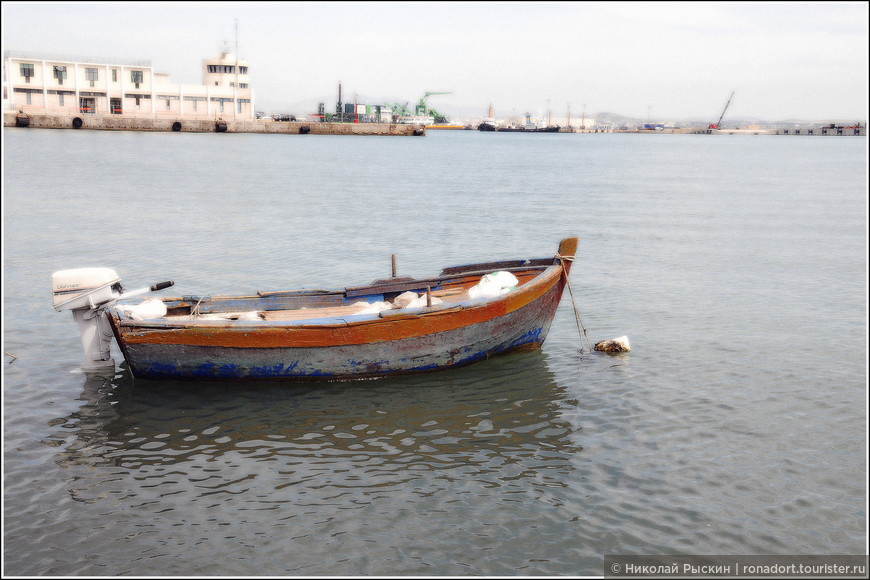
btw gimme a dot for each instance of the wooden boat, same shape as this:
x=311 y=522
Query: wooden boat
x=334 y=335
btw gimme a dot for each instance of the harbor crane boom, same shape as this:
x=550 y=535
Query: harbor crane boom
x=719 y=122
x=421 y=106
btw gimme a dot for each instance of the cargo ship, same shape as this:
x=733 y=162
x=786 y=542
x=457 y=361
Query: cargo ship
x=529 y=127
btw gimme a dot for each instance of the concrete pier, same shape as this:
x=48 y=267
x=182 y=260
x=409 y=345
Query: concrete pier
x=860 y=130
x=128 y=123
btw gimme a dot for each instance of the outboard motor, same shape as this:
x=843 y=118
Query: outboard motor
x=88 y=292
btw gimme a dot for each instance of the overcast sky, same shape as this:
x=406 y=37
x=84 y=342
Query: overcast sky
x=662 y=61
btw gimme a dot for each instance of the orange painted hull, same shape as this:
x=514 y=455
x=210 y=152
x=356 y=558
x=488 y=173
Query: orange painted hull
x=349 y=346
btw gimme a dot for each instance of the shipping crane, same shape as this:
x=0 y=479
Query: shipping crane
x=719 y=122
x=401 y=110
x=422 y=110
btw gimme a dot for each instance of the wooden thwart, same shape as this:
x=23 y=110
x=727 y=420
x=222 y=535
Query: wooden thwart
x=349 y=310
x=304 y=313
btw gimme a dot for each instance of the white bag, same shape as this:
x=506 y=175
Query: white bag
x=492 y=285
x=151 y=308
x=374 y=307
x=403 y=299
x=421 y=302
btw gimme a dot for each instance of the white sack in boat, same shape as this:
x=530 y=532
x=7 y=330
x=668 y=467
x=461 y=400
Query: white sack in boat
x=405 y=298
x=492 y=285
x=373 y=308
x=151 y=308
x=421 y=302
x=250 y=315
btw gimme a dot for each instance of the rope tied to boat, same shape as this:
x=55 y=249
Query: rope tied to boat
x=194 y=312
x=562 y=259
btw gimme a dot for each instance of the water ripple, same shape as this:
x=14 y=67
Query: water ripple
x=737 y=423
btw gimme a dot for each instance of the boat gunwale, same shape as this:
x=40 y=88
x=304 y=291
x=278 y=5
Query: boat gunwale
x=517 y=296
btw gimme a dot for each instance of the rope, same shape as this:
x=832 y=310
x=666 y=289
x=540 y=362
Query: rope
x=195 y=310
x=562 y=259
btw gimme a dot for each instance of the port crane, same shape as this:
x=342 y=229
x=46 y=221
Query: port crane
x=719 y=122
x=424 y=111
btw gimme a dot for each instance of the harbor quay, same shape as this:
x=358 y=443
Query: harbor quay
x=47 y=120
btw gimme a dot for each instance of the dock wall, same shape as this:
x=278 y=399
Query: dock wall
x=125 y=123
x=827 y=131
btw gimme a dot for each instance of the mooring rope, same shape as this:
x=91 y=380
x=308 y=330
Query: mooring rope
x=562 y=259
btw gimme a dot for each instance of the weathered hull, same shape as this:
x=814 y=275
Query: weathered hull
x=525 y=328
x=346 y=347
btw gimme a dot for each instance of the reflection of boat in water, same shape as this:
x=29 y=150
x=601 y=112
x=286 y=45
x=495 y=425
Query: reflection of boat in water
x=121 y=423
x=459 y=317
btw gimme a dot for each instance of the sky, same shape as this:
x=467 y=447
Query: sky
x=658 y=61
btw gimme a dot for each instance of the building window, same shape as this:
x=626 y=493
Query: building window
x=60 y=99
x=137 y=102
x=193 y=101
x=59 y=73
x=243 y=85
x=92 y=74
x=27 y=72
x=167 y=104
x=243 y=70
x=136 y=77
x=28 y=98
x=114 y=75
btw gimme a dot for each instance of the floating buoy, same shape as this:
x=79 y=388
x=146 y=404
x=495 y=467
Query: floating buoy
x=613 y=345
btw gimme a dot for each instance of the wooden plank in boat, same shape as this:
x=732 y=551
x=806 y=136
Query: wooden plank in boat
x=488 y=267
x=305 y=313
x=390 y=286
x=266 y=302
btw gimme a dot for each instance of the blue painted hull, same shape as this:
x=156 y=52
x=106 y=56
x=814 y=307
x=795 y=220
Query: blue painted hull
x=318 y=335
x=521 y=329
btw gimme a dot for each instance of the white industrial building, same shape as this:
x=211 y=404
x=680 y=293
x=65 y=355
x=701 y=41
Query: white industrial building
x=82 y=86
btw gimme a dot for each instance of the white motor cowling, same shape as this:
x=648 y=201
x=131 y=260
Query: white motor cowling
x=85 y=291
x=84 y=288
x=88 y=292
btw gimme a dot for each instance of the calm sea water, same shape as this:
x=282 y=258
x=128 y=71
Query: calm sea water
x=736 y=265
